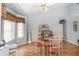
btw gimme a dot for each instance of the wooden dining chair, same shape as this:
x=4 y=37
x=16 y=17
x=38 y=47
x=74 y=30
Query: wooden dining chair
x=39 y=45
x=54 y=47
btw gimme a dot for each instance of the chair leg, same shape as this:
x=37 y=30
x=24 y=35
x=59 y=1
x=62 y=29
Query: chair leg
x=43 y=48
x=59 y=53
x=35 y=50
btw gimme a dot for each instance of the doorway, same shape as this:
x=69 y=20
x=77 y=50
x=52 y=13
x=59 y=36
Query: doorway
x=64 y=28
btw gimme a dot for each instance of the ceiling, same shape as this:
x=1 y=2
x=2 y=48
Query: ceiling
x=14 y=7
x=35 y=8
x=28 y=9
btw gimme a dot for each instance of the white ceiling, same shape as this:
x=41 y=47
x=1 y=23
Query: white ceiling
x=28 y=9
x=35 y=8
x=14 y=7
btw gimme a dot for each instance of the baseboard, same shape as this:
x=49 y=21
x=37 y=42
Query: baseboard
x=71 y=42
x=21 y=44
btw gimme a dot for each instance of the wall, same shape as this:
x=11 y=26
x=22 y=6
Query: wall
x=51 y=17
x=73 y=15
x=0 y=21
x=0 y=10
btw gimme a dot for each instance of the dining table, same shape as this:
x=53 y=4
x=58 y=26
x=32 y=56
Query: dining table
x=45 y=44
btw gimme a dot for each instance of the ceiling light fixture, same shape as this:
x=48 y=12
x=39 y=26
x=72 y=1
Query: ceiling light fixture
x=44 y=7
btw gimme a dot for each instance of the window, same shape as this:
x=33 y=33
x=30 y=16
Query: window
x=8 y=31
x=75 y=26
x=20 y=30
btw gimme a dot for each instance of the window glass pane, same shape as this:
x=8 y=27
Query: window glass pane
x=20 y=30
x=8 y=31
x=75 y=26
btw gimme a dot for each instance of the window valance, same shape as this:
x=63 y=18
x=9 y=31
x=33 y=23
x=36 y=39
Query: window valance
x=20 y=20
x=9 y=16
x=3 y=10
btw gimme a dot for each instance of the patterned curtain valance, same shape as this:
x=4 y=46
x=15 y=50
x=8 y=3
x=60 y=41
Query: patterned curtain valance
x=3 y=10
x=20 y=20
x=10 y=17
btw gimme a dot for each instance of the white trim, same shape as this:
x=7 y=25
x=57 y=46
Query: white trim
x=16 y=32
x=72 y=42
x=21 y=44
